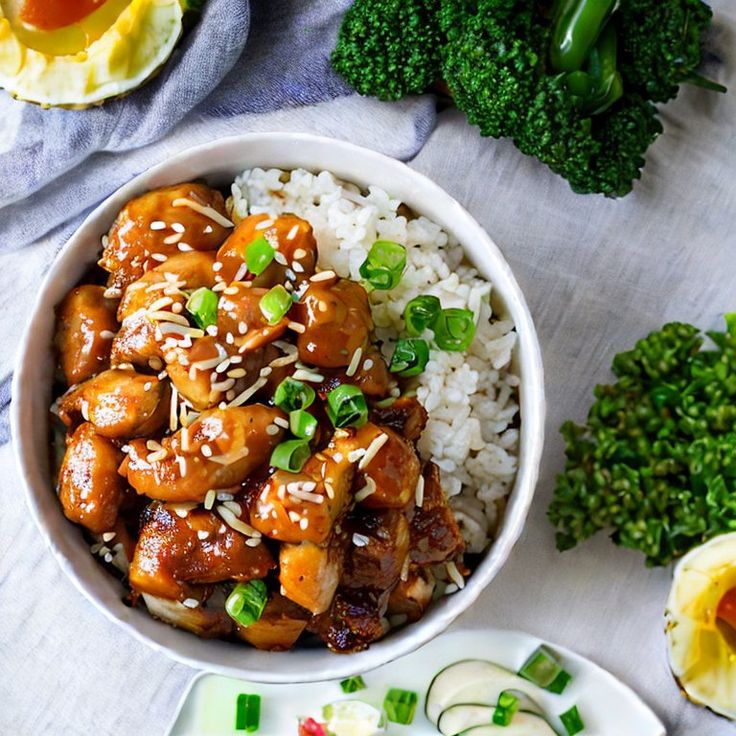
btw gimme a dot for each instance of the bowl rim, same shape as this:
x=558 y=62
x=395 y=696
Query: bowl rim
x=531 y=390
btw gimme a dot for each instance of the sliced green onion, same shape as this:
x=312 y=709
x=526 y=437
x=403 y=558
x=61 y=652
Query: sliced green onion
x=275 y=303
x=352 y=684
x=202 y=305
x=400 y=705
x=506 y=708
x=572 y=721
x=410 y=357
x=420 y=313
x=558 y=685
x=291 y=395
x=302 y=424
x=248 y=713
x=246 y=602
x=454 y=329
x=385 y=264
x=346 y=406
x=542 y=667
x=258 y=256
x=290 y=455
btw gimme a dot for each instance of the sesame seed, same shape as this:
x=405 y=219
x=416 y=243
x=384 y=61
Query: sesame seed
x=301 y=329
x=354 y=362
x=360 y=540
x=173 y=238
x=177 y=227
x=310 y=376
x=368 y=490
x=112 y=293
x=455 y=575
x=107 y=536
x=297 y=267
x=202 y=534
x=281 y=422
x=272 y=429
x=203 y=209
x=367 y=364
x=303 y=523
x=108 y=557
x=264 y=224
x=280 y=258
x=292 y=234
x=206 y=450
x=290 y=273
x=190 y=603
x=158 y=225
x=372 y=450
x=107 y=334
x=217 y=266
x=299 y=252
x=323 y=276
x=242 y=328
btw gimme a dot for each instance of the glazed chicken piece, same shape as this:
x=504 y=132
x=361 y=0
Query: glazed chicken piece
x=371 y=377
x=197 y=548
x=239 y=314
x=162 y=223
x=294 y=507
x=337 y=321
x=279 y=627
x=85 y=327
x=90 y=489
x=221 y=448
x=120 y=403
x=354 y=619
x=291 y=236
x=406 y=416
x=309 y=573
x=209 y=371
x=142 y=312
x=379 y=549
x=411 y=597
x=391 y=470
x=206 y=621
x=435 y=535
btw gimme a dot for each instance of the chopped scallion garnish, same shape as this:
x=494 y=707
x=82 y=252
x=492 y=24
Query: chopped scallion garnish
x=248 y=713
x=291 y=395
x=385 y=264
x=202 y=305
x=572 y=721
x=542 y=667
x=347 y=407
x=410 y=357
x=454 y=329
x=258 y=255
x=275 y=303
x=246 y=602
x=558 y=685
x=352 y=684
x=302 y=424
x=421 y=313
x=400 y=705
x=506 y=707
x=290 y=455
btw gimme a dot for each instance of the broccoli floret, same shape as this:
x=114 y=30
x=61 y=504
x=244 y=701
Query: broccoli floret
x=389 y=48
x=655 y=462
x=660 y=44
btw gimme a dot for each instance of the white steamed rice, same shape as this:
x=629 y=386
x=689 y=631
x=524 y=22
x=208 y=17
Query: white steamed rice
x=471 y=397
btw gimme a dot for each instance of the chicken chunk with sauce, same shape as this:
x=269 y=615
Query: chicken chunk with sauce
x=85 y=327
x=218 y=450
x=120 y=403
x=160 y=224
x=174 y=550
x=290 y=236
x=90 y=489
x=279 y=627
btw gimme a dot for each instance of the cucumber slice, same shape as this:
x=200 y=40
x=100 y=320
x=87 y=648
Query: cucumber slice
x=460 y=717
x=523 y=724
x=474 y=681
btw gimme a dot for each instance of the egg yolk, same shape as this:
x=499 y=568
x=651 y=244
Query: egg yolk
x=726 y=610
x=48 y=15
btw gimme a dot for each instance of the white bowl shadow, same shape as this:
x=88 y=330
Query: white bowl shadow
x=218 y=162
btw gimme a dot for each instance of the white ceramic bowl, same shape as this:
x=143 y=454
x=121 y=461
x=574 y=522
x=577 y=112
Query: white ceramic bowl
x=219 y=162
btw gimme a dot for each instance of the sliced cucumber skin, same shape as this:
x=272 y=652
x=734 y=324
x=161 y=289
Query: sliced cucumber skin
x=522 y=724
x=474 y=681
x=461 y=717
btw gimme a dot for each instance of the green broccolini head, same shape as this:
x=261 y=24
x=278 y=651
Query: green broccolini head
x=389 y=48
x=660 y=44
x=655 y=462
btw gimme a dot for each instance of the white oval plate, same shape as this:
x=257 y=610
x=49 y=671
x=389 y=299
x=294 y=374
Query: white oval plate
x=606 y=705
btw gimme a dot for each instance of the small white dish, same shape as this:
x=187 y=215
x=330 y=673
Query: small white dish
x=218 y=163
x=606 y=705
